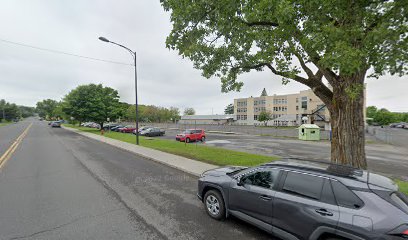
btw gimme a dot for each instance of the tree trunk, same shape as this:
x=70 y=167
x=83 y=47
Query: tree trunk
x=347 y=122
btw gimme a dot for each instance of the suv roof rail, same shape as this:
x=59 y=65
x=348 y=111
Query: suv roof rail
x=332 y=168
x=344 y=170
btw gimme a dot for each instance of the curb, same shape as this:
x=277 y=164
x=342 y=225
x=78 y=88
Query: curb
x=221 y=132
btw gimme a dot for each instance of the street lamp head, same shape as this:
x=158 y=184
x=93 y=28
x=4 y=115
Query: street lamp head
x=103 y=39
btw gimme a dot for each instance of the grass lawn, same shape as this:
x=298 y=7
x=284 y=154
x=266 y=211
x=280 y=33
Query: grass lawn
x=4 y=123
x=213 y=155
x=403 y=186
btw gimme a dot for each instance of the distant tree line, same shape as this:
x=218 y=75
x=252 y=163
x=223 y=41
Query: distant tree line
x=12 y=111
x=101 y=104
x=384 y=117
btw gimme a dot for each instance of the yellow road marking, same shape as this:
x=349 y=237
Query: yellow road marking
x=6 y=156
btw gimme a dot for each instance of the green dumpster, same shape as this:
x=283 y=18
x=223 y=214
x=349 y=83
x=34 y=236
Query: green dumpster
x=309 y=132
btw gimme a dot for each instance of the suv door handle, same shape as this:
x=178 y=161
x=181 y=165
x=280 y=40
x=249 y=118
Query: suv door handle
x=265 y=197
x=324 y=212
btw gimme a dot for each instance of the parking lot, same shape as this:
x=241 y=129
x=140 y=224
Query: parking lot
x=382 y=158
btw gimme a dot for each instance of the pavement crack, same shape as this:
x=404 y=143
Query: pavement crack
x=65 y=224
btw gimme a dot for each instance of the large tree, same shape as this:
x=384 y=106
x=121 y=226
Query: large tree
x=264 y=117
x=306 y=41
x=46 y=108
x=9 y=111
x=189 y=111
x=229 y=109
x=92 y=103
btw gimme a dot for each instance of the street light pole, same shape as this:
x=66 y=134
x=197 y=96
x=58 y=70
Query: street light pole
x=137 y=105
x=133 y=53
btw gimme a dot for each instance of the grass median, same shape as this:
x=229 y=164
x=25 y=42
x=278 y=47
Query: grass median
x=212 y=155
x=4 y=123
x=403 y=186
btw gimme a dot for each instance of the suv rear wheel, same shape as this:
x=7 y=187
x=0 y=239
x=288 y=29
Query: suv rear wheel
x=214 y=204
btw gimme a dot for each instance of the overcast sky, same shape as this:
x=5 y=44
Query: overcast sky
x=165 y=79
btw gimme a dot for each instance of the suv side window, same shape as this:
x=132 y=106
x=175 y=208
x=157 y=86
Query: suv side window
x=262 y=178
x=304 y=185
x=345 y=197
x=327 y=193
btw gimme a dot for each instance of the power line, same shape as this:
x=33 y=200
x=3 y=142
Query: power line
x=63 y=53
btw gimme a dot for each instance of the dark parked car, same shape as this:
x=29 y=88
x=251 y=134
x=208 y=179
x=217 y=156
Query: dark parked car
x=55 y=124
x=152 y=132
x=117 y=128
x=109 y=126
x=141 y=129
x=296 y=201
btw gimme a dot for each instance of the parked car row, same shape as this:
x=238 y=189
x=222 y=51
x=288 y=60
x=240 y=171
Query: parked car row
x=399 y=125
x=189 y=135
x=143 y=131
x=91 y=125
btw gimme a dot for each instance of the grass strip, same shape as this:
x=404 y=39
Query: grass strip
x=403 y=186
x=200 y=152
x=4 y=123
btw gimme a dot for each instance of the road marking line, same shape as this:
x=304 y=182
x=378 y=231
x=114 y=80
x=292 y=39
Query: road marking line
x=6 y=156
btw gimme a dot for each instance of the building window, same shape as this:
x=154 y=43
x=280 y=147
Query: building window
x=304 y=103
x=255 y=117
x=297 y=108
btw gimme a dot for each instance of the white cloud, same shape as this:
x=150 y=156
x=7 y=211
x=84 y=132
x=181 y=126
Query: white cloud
x=165 y=79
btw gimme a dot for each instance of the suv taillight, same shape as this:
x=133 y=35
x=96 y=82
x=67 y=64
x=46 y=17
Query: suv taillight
x=401 y=231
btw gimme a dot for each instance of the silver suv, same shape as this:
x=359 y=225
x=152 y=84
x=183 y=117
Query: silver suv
x=298 y=201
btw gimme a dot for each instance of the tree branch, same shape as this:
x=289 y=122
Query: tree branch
x=303 y=64
x=288 y=75
x=319 y=75
x=315 y=83
x=259 y=23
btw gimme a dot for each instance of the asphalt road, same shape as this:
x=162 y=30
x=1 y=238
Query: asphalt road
x=60 y=185
x=382 y=158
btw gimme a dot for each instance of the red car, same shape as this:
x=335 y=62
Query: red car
x=127 y=129
x=191 y=135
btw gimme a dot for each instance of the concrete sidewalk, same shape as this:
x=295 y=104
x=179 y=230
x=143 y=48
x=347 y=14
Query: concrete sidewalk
x=184 y=164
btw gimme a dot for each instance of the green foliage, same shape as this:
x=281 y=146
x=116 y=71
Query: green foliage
x=26 y=111
x=371 y=111
x=153 y=114
x=264 y=117
x=92 y=103
x=225 y=38
x=229 y=109
x=354 y=90
x=46 y=108
x=9 y=111
x=213 y=155
x=402 y=186
x=385 y=117
x=189 y=111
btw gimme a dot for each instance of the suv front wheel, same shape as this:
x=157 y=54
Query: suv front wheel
x=214 y=204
